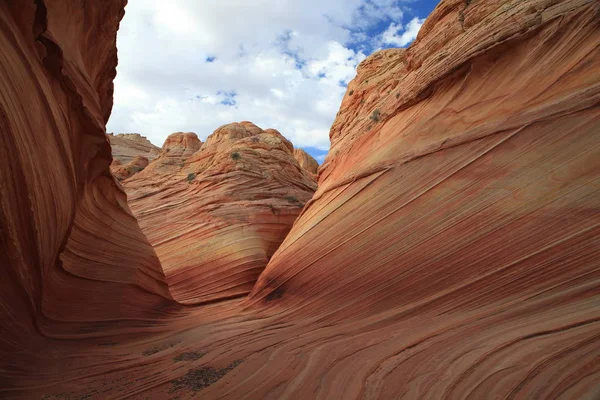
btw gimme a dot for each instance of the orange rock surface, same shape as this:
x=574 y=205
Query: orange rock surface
x=127 y=146
x=215 y=216
x=182 y=144
x=450 y=251
x=178 y=147
x=457 y=215
x=306 y=161
x=124 y=171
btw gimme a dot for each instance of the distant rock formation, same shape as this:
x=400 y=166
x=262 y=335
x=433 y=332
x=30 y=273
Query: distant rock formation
x=217 y=213
x=306 y=161
x=177 y=148
x=124 y=171
x=127 y=146
x=182 y=144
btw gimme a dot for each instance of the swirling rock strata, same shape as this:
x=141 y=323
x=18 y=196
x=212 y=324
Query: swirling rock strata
x=216 y=214
x=451 y=250
x=458 y=212
x=74 y=260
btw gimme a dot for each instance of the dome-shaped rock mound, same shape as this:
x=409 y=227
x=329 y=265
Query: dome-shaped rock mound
x=181 y=144
x=306 y=161
x=124 y=171
x=216 y=218
x=177 y=148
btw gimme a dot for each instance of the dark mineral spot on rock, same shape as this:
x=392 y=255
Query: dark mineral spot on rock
x=275 y=294
x=189 y=356
x=198 y=379
x=159 y=348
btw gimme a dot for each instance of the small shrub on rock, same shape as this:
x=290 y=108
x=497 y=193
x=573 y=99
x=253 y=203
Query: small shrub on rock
x=376 y=115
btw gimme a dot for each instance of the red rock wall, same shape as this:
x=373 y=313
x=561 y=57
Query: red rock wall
x=448 y=155
x=72 y=255
x=459 y=226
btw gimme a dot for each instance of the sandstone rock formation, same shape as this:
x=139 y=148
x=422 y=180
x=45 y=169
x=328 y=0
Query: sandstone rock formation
x=306 y=161
x=216 y=216
x=121 y=171
x=127 y=146
x=74 y=261
x=177 y=148
x=450 y=251
x=458 y=214
x=182 y=144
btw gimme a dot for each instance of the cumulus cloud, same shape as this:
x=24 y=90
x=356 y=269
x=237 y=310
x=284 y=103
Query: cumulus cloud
x=397 y=35
x=189 y=65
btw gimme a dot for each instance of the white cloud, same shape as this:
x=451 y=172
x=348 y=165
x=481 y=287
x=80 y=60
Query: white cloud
x=280 y=64
x=392 y=35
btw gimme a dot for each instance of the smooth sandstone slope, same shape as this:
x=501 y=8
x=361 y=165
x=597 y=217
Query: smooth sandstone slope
x=216 y=214
x=459 y=212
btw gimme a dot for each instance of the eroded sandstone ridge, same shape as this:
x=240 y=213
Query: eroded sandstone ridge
x=124 y=171
x=216 y=212
x=127 y=146
x=450 y=251
x=306 y=161
x=131 y=153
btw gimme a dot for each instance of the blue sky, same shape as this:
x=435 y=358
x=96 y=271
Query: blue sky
x=412 y=9
x=194 y=65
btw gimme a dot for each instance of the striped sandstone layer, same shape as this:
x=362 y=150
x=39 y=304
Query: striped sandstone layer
x=457 y=216
x=217 y=215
